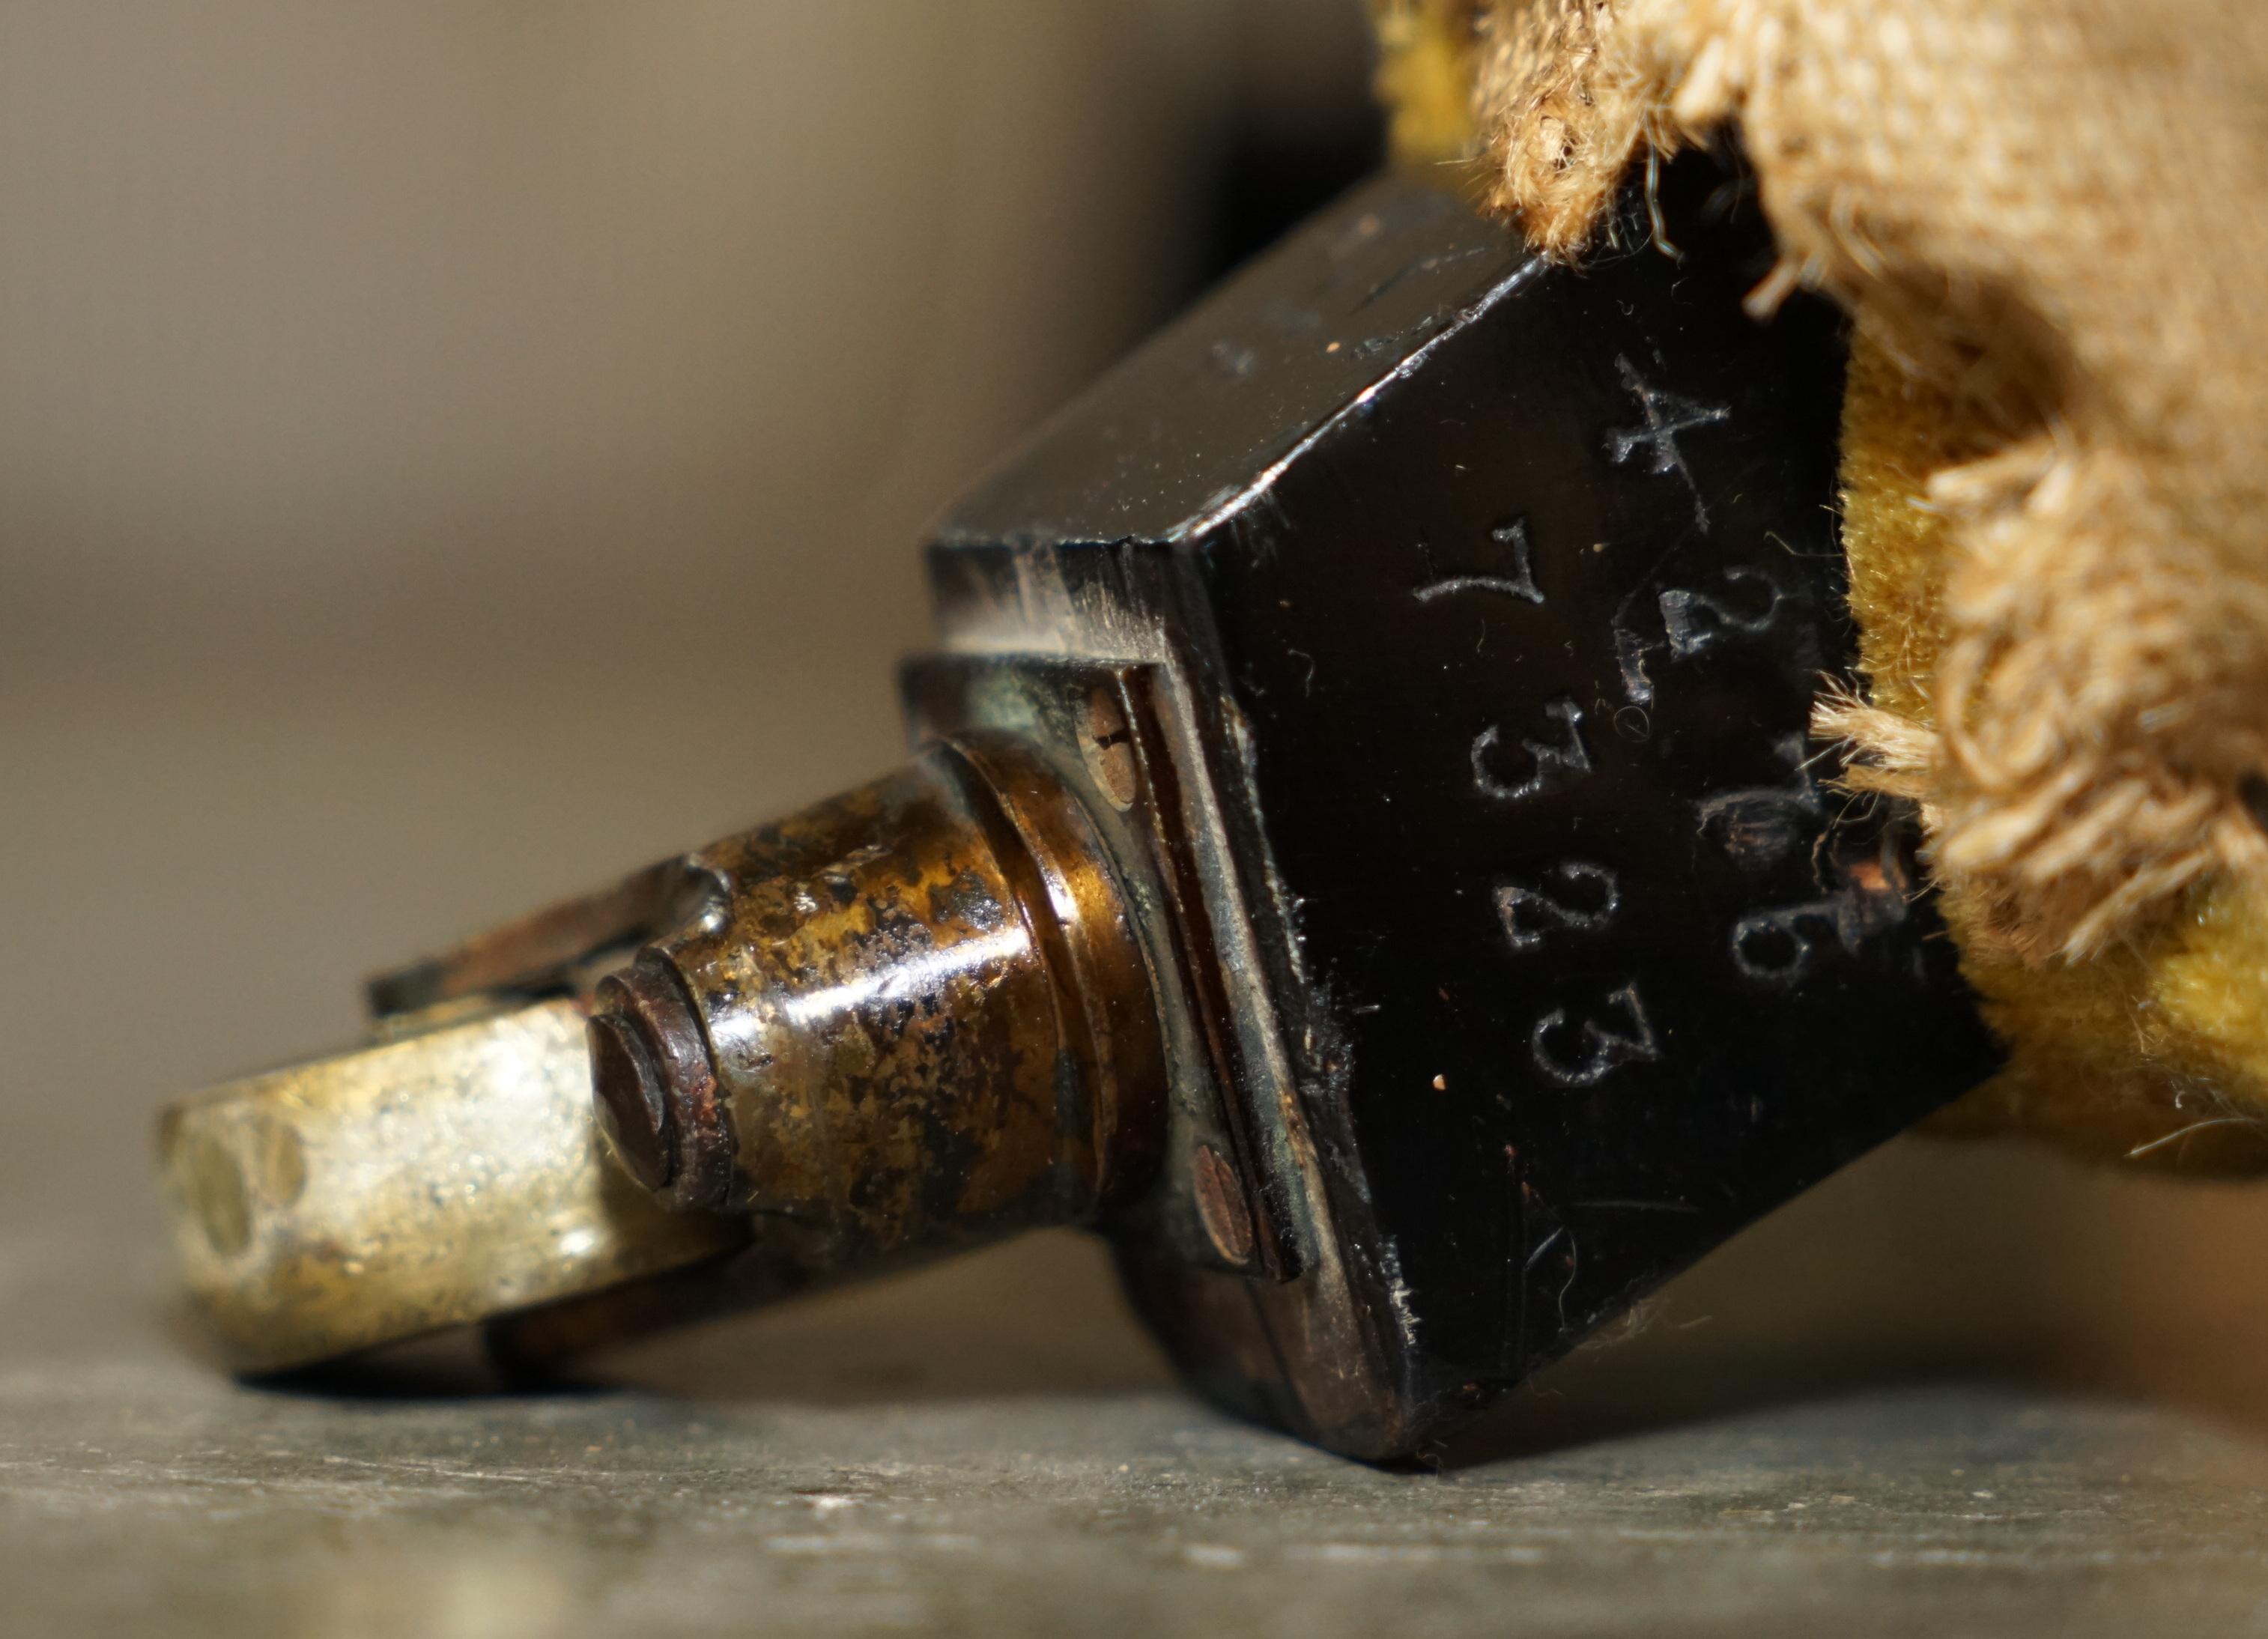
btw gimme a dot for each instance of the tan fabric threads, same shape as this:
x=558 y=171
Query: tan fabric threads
x=2155 y=1052
x=2055 y=212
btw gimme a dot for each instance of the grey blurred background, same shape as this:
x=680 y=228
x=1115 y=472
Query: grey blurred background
x=409 y=411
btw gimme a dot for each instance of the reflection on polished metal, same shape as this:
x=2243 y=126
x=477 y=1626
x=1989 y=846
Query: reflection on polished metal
x=423 y=1183
x=1364 y=857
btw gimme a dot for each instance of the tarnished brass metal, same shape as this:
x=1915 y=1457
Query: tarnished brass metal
x=539 y=952
x=437 y=1179
x=910 y=1017
x=913 y=1016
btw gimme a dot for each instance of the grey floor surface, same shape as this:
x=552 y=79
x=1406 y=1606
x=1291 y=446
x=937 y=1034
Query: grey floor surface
x=876 y=1465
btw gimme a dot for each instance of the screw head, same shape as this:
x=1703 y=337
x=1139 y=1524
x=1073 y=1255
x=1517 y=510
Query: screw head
x=1107 y=748
x=1223 y=1204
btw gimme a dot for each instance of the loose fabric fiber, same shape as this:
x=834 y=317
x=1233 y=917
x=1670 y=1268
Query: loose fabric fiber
x=2050 y=221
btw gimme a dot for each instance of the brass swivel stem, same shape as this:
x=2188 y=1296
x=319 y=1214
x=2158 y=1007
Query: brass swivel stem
x=913 y=1016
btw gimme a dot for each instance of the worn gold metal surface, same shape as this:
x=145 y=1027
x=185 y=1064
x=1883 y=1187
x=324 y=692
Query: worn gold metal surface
x=914 y=1017
x=911 y=1017
x=429 y=1181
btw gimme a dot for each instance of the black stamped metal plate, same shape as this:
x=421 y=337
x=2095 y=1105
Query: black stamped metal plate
x=1504 y=592
x=1599 y=970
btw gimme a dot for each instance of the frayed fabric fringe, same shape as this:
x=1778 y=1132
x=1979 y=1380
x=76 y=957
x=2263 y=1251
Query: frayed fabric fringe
x=2053 y=214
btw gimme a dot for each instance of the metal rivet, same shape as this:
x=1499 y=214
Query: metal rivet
x=1108 y=747
x=1222 y=1205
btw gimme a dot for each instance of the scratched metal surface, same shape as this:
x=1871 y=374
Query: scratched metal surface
x=914 y=1461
